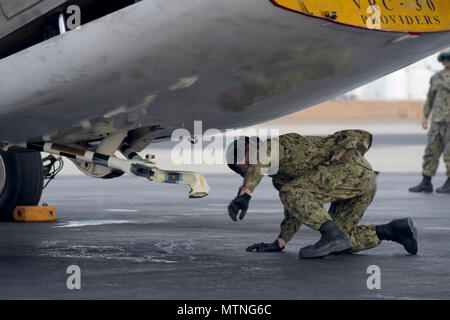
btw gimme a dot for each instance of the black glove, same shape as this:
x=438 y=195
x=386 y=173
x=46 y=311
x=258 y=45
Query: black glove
x=240 y=203
x=266 y=247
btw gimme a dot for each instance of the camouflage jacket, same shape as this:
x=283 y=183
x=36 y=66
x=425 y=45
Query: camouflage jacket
x=298 y=154
x=438 y=99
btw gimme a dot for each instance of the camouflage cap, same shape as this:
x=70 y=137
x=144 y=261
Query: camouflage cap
x=445 y=55
x=236 y=150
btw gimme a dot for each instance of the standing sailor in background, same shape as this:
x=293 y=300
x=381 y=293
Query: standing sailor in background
x=438 y=101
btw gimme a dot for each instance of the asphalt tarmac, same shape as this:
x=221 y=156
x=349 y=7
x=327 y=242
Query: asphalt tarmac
x=133 y=239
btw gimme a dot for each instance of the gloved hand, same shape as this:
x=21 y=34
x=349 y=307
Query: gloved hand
x=266 y=247
x=240 y=203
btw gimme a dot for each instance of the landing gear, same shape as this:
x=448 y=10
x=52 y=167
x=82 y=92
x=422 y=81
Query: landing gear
x=21 y=181
x=133 y=165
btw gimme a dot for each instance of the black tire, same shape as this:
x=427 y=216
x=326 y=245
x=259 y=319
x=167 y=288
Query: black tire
x=22 y=181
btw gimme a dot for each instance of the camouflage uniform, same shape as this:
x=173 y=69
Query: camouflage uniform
x=438 y=101
x=312 y=172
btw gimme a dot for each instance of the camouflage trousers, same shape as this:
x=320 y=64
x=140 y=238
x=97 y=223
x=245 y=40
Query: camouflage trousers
x=350 y=186
x=438 y=143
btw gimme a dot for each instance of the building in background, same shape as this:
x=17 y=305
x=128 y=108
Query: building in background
x=410 y=83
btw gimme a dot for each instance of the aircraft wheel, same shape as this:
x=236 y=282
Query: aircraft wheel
x=21 y=181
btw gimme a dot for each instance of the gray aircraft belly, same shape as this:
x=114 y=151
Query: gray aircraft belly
x=167 y=63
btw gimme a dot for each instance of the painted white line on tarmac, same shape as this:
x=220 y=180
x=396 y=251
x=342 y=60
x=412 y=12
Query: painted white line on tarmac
x=438 y=228
x=84 y=223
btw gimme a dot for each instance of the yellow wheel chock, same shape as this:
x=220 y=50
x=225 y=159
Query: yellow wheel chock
x=34 y=213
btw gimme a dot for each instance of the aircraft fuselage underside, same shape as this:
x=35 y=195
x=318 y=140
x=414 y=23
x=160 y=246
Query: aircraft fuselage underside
x=159 y=65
